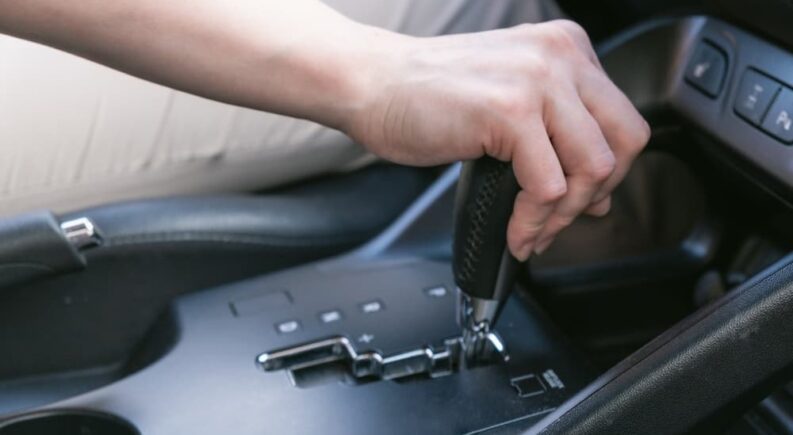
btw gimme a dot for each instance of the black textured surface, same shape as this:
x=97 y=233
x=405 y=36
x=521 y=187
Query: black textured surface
x=700 y=375
x=485 y=198
x=33 y=246
x=67 y=422
x=155 y=250
x=209 y=384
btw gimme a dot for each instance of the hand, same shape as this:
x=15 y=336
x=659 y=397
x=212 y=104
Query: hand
x=535 y=95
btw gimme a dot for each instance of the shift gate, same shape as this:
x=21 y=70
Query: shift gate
x=434 y=361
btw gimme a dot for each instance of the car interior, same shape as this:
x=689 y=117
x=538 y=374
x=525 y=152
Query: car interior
x=331 y=306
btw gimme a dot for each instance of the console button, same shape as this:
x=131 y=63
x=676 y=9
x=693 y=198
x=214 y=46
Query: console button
x=330 y=316
x=527 y=385
x=436 y=292
x=779 y=120
x=287 y=326
x=755 y=95
x=372 y=307
x=707 y=69
x=260 y=303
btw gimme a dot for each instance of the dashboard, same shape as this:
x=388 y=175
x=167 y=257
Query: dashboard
x=733 y=86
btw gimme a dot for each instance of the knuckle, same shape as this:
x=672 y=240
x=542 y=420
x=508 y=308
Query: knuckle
x=564 y=221
x=575 y=29
x=551 y=191
x=539 y=70
x=563 y=36
x=636 y=137
x=600 y=168
x=527 y=232
x=507 y=104
x=557 y=38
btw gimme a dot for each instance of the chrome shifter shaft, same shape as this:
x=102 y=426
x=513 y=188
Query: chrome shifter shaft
x=479 y=344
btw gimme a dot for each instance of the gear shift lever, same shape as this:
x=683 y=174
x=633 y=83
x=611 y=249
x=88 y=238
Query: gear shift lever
x=484 y=269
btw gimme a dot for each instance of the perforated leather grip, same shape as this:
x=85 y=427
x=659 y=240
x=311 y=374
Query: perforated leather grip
x=486 y=191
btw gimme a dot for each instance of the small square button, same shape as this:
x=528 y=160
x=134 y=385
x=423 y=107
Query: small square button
x=330 y=316
x=372 y=307
x=257 y=304
x=779 y=120
x=707 y=69
x=527 y=386
x=287 y=327
x=436 y=292
x=755 y=95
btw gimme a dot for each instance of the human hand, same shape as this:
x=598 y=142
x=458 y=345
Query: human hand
x=535 y=95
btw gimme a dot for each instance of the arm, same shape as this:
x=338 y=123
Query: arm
x=534 y=95
x=294 y=58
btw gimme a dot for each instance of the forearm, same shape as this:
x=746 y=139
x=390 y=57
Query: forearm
x=535 y=95
x=298 y=57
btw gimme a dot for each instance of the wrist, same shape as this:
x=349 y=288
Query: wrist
x=369 y=60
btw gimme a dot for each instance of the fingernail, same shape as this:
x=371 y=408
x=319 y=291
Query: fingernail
x=542 y=245
x=524 y=252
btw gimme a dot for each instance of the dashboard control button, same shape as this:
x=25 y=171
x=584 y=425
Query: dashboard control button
x=779 y=120
x=372 y=307
x=260 y=303
x=436 y=292
x=330 y=316
x=287 y=326
x=755 y=95
x=527 y=386
x=707 y=69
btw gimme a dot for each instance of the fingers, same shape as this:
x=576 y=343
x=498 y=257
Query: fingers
x=600 y=209
x=624 y=128
x=542 y=181
x=585 y=157
x=589 y=137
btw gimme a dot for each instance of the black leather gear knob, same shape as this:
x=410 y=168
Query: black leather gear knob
x=483 y=266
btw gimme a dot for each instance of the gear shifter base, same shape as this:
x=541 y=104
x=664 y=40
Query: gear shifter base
x=480 y=345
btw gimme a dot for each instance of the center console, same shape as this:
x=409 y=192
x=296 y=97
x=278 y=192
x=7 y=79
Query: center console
x=396 y=309
x=368 y=341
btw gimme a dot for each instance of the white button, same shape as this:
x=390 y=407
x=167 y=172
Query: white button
x=330 y=316
x=371 y=307
x=288 y=326
x=436 y=292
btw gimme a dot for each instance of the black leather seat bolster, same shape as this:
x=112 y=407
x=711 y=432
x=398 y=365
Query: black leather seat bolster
x=154 y=250
x=332 y=212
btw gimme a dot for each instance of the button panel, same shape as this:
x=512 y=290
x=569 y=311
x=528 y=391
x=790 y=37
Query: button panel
x=766 y=103
x=332 y=318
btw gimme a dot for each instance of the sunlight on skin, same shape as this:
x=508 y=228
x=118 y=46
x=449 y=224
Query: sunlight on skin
x=533 y=94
